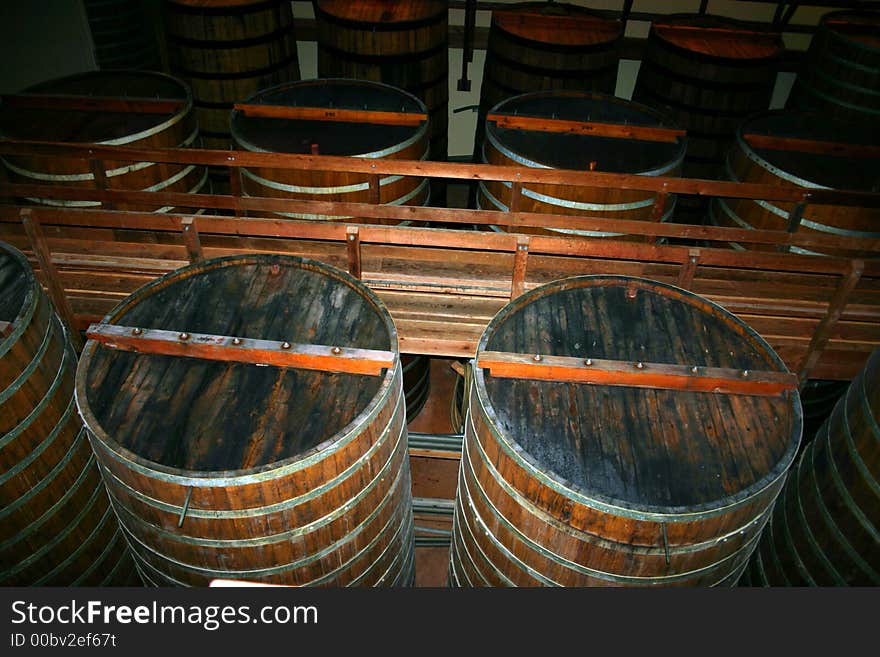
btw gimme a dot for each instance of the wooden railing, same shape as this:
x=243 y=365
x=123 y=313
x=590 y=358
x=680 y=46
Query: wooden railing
x=441 y=279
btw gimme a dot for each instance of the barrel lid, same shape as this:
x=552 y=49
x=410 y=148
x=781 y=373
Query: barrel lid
x=558 y=24
x=199 y=418
x=358 y=139
x=16 y=281
x=101 y=125
x=564 y=150
x=821 y=169
x=383 y=11
x=717 y=36
x=861 y=27
x=646 y=450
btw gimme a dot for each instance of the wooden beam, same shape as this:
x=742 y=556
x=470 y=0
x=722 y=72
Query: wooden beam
x=50 y=276
x=191 y=240
x=834 y=148
x=353 y=249
x=242 y=350
x=614 y=130
x=98 y=104
x=520 y=261
x=664 y=376
x=330 y=114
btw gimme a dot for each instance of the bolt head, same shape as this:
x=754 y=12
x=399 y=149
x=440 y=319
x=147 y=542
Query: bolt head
x=183 y=336
x=537 y=358
x=588 y=361
x=640 y=365
x=136 y=331
x=236 y=341
x=336 y=350
x=285 y=345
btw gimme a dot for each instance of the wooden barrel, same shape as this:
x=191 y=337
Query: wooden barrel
x=402 y=43
x=825 y=530
x=710 y=73
x=355 y=138
x=577 y=481
x=762 y=155
x=232 y=470
x=539 y=148
x=140 y=109
x=122 y=34
x=841 y=72
x=228 y=50
x=535 y=46
x=56 y=524
x=416 y=383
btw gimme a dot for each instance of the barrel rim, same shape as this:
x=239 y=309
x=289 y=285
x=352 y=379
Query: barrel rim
x=419 y=134
x=29 y=304
x=241 y=476
x=856 y=12
x=661 y=116
x=605 y=503
x=499 y=16
x=172 y=120
x=763 y=162
x=716 y=59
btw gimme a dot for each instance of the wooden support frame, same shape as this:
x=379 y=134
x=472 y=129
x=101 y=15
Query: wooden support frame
x=593 y=128
x=353 y=248
x=102 y=104
x=324 y=358
x=594 y=371
x=191 y=240
x=834 y=148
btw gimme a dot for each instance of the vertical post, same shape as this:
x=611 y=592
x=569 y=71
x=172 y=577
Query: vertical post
x=848 y=282
x=515 y=196
x=520 y=262
x=794 y=222
x=657 y=212
x=100 y=176
x=688 y=270
x=353 y=242
x=191 y=240
x=375 y=189
x=235 y=188
x=467 y=56
x=50 y=275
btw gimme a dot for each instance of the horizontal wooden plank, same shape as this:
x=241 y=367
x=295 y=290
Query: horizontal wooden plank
x=665 y=376
x=833 y=148
x=242 y=350
x=330 y=114
x=97 y=104
x=594 y=128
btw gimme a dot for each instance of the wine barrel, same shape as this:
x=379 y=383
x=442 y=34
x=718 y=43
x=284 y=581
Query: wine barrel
x=122 y=34
x=140 y=109
x=758 y=160
x=228 y=50
x=416 y=383
x=596 y=483
x=402 y=43
x=56 y=524
x=840 y=75
x=535 y=46
x=825 y=530
x=356 y=138
x=710 y=73
x=233 y=470
x=523 y=146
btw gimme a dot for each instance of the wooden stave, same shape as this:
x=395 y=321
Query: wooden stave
x=840 y=76
x=330 y=186
x=562 y=199
x=269 y=485
x=46 y=461
x=179 y=130
x=409 y=54
x=527 y=479
x=416 y=383
x=212 y=66
x=743 y=164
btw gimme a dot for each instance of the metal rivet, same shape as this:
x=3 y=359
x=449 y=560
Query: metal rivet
x=336 y=350
x=183 y=336
x=537 y=358
x=745 y=373
x=630 y=293
x=640 y=365
x=588 y=361
x=285 y=345
x=236 y=341
x=136 y=331
x=351 y=238
x=695 y=369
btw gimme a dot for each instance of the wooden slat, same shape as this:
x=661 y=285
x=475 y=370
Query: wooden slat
x=98 y=104
x=638 y=375
x=330 y=114
x=242 y=350
x=834 y=148
x=596 y=129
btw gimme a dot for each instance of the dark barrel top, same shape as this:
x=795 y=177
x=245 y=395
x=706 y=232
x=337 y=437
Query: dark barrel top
x=382 y=11
x=658 y=451
x=814 y=169
x=16 y=280
x=858 y=27
x=717 y=37
x=199 y=415
x=561 y=150
x=331 y=137
x=558 y=24
x=107 y=127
